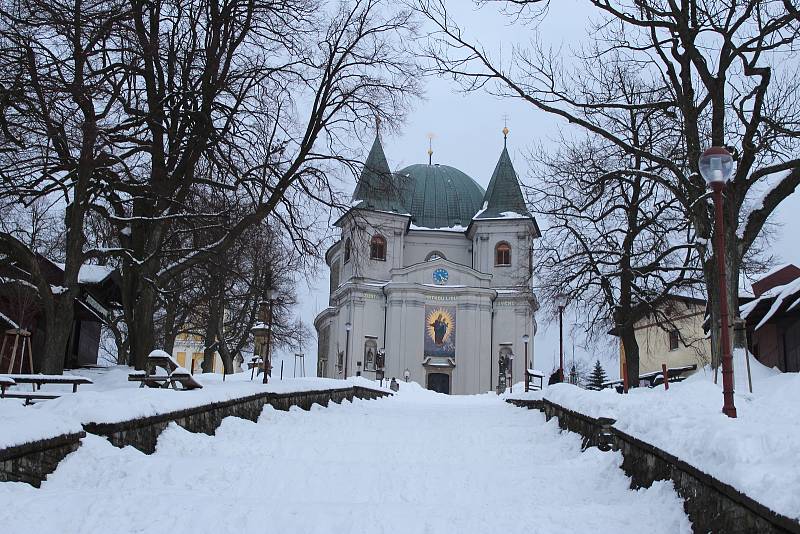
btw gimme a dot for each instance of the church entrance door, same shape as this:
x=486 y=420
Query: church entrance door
x=439 y=382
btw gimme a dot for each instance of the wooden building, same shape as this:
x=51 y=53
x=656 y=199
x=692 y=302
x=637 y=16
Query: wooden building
x=773 y=318
x=20 y=310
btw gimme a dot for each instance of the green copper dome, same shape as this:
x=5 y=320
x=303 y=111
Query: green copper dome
x=439 y=196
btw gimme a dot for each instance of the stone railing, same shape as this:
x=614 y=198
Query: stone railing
x=712 y=505
x=32 y=462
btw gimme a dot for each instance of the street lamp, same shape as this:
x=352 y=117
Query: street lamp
x=264 y=329
x=525 y=339
x=347 y=326
x=561 y=303
x=716 y=167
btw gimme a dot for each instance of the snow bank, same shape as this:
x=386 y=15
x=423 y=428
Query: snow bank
x=755 y=453
x=117 y=400
x=419 y=462
x=18 y=427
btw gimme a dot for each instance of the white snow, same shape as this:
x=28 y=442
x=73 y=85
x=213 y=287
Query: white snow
x=783 y=292
x=112 y=399
x=454 y=228
x=90 y=274
x=418 y=462
x=774 y=180
x=756 y=453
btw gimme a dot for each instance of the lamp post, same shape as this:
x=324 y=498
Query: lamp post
x=347 y=326
x=270 y=294
x=561 y=303
x=716 y=167
x=525 y=340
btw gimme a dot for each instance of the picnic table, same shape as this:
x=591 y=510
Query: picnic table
x=172 y=375
x=37 y=381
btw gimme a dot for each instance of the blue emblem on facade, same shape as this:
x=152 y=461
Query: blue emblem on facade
x=440 y=276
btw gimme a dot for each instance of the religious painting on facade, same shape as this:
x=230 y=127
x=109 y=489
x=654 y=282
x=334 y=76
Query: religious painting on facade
x=440 y=331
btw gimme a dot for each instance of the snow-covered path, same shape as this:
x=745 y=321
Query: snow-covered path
x=418 y=462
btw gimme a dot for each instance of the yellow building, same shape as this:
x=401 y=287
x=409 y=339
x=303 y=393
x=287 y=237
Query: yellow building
x=674 y=336
x=188 y=351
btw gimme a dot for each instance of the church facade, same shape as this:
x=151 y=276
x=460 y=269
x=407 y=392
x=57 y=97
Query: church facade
x=431 y=277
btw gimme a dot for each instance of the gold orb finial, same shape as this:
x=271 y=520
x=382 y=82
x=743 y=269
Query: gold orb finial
x=505 y=131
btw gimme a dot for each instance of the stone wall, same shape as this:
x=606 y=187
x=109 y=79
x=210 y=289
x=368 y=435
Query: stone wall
x=32 y=462
x=712 y=506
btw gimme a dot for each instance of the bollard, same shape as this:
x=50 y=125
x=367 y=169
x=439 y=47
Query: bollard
x=666 y=375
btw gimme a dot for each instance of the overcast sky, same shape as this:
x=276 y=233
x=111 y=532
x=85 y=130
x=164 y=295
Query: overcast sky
x=467 y=135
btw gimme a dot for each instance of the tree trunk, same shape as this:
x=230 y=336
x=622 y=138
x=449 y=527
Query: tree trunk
x=139 y=308
x=210 y=337
x=631 y=348
x=58 y=324
x=226 y=357
x=733 y=265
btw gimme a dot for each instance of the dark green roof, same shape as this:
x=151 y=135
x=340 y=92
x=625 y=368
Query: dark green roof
x=439 y=196
x=503 y=194
x=376 y=188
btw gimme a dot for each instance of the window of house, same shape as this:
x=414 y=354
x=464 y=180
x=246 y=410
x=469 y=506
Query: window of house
x=435 y=255
x=674 y=338
x=502 y=254
x=347 y=250
x=377 y=248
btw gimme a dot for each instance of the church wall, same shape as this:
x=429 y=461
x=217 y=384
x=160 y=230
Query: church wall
x=360 y=229
x=512 y=320
x=454 y=245
x=488 y=234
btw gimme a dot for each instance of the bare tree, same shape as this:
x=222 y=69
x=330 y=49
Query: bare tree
x=247 y=100
x=715 y=75
x=57 y=99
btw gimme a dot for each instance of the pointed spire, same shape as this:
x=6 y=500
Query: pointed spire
x=376 y=188
x=504 y=194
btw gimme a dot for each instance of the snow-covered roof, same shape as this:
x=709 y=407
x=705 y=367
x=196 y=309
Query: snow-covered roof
x=781 y=298
x=455 y=228
x=90 y=274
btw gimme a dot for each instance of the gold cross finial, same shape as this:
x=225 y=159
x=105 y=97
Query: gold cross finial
x=430 y=148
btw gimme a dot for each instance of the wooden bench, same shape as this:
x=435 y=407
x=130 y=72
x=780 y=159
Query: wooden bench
x=5 y=382
x=151 y=381
x=29 y=397
x=39 y=380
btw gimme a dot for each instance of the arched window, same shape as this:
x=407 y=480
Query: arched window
x=377 y=248
x=502 y=254
x=347 y=250
x=435 y=255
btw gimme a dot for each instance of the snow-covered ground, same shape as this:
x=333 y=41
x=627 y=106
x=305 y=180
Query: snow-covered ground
x=755 y=453
x=416 y=462
x=112 y=398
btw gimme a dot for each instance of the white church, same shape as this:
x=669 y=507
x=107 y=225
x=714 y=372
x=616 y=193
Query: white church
x=431 y=279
